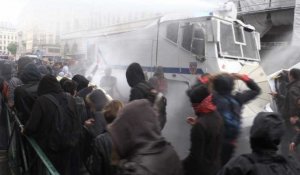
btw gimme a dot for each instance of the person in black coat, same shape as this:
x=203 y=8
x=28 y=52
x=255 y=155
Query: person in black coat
x=136 y=76
x=265 y=136
x=230 y=107
x=41 y=123
x=26 y=94
x=292 y=109
x=206 y=134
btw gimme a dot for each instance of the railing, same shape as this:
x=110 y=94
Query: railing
x=271 y=45
x=18 y=161
x=252 y=6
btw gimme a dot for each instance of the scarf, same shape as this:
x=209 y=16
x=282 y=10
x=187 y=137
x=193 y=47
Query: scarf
x=206 y=105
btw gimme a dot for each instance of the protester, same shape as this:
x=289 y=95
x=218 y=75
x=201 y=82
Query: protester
x=96 y=101
x=7 y=71
x=291 y=114
x=265 y=136
x=137 y=139
x=135 y=76
x=55 y=109
x=4 y=135
x=22 y=63
x=158 y=81
x=109 y=83
x=206 y=134
x=83 y=87
x=70 y=86
x=98 y=151
x=230 y=107
x=280 y=83
x=26 y=94
x=111 y=110
x=140 y=89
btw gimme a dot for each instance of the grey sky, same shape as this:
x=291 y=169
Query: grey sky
x=13 y=10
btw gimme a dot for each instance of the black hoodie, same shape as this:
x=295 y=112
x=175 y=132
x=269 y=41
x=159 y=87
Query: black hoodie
x=265 y=136
x=25 y=95
x=135 y=76
x=41 y=122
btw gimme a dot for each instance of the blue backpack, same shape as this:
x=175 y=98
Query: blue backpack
x=230 y=109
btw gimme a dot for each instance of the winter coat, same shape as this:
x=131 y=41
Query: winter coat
x=40 y=124
x=293 y=95
x=26 y=94
x=221 y=100
x=265 y=135
x=137 y=139
x=206 y=141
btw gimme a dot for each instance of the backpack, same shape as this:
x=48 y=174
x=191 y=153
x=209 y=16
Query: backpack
x=158 y=101
x=67 y=126
x=229 y=108
x=278 y=165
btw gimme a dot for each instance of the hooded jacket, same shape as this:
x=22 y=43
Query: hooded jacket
x=135 y=76
x=265 y=136
x=40 y=124
x=291 y=104
x=206 y=135
x=25 y=95
x=81 y=81
x=137 y=138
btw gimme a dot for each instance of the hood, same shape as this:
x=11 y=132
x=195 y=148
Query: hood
x=136 y=130
x=98 y=98
x=22 y=63
x=81 y=81
x=266 y=131
x=134 y=74
x=49 y=84
x=223 y=84
x=30 y=74
x=6 y=70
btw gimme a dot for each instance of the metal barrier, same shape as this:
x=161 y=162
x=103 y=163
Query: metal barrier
x=19 y=163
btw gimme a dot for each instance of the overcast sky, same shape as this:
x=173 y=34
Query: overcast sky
x=12 y=10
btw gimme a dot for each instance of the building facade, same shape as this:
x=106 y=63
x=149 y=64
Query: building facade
x=8 y=34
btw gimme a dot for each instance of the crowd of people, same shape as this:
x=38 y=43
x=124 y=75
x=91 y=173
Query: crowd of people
x=84 y=130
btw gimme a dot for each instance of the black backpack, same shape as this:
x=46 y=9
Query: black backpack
x=158 y=101
x=67 y=126
x=278 y=165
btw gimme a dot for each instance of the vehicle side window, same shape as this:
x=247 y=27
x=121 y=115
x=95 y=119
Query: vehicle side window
x=187 y=36
x=172 y=32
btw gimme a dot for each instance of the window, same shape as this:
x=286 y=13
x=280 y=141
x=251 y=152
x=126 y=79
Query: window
x=172 y=32
x=228 y=46
x=198 y=41
x=250 y=49
x=239 y=34
x=187 y=36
